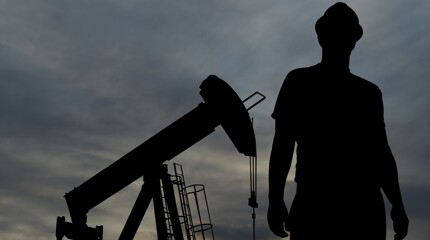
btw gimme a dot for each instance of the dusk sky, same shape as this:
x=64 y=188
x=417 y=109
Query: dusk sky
x=84 y=82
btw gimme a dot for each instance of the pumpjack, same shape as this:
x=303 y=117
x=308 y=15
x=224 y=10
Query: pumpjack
x=221 y=106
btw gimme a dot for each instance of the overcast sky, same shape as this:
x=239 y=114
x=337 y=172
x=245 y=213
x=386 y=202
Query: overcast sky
x=84 y=82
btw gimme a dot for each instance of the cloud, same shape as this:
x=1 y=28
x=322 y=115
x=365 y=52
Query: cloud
x=83 y=83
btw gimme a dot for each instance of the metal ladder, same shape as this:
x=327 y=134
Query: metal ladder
x=187 y=220
x=167 y=217
x=194 y=230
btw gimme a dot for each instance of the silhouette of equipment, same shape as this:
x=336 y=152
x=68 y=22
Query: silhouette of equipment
x=221 y=106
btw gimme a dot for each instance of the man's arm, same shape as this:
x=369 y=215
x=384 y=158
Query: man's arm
x=391 y=188
x=279 y=166
x=389 y=175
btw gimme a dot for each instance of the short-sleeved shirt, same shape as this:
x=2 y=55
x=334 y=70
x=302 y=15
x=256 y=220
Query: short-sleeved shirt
x=333 y=116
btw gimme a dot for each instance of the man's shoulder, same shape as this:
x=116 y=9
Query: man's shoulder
x=303 y=71
x=364 y=83
x=301 y=75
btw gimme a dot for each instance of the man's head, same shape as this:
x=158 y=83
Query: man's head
x=339 y=27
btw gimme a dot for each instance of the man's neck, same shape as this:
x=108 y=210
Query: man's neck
x=335 y=61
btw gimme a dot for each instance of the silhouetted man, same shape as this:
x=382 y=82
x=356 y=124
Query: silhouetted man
x=343 y=157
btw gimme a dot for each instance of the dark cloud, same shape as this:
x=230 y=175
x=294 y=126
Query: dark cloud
x=83 y=83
